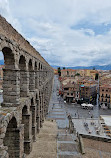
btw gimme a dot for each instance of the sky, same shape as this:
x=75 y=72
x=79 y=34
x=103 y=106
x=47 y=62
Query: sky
x=65 y=32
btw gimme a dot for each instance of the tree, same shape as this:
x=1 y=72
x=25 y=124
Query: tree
x=96 y=76
x=77 y=74
x=94 y=68
x=64 y=68
x=59 y=71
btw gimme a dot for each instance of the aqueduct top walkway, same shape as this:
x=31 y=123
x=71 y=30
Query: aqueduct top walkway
x=27 y=84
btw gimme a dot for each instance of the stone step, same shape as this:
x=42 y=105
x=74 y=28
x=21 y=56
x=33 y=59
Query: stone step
x=69 y=156
x=67 y=142
x=68 y=153
x=69 y=147
x=55 y=118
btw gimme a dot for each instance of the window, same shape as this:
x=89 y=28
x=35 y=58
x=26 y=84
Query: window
x=103 y=90
x=67 y=93
x=102 y=95
x=71 y=93
x=66 y=88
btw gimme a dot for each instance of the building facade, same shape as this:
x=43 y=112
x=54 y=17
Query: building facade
x=105 y=96
x=88 y=92
x=68 y=73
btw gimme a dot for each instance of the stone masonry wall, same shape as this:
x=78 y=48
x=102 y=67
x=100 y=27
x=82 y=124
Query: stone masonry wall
x=27 y=86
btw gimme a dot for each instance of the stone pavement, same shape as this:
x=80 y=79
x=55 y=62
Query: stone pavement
x=91 y=129
x=67 y=145
x=46 y=144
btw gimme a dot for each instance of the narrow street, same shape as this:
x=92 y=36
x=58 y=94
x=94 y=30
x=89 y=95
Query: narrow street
x=67 y=145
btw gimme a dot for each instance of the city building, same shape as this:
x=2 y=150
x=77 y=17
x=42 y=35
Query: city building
x=55 y=71
x=105 y=96
x=68 y=73
x=88 y=92
x=68 y=92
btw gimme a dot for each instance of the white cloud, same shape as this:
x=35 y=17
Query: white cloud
x=5 y=11
x=48 y=25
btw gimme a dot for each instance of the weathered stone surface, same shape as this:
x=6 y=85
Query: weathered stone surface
x=27 y=85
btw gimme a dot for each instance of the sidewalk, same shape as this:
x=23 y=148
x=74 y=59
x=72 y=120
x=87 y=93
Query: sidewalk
x=46 y=144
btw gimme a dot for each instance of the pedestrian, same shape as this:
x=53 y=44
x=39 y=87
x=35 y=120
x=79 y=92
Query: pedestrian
x=92 y=116
x=66 y=130
x=75 y=114
x=78 y=116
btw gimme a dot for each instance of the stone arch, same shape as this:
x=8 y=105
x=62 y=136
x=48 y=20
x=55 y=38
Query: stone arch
x=10 y=78
x=26 y=122
x=23 y=83
x=40 y=102
x=36 y=77
x=22 y=63
x=12 y=139
x=37 y=113
x=9 y=59
x=39 y=66
x=30 y=65
x=33 y=111
x=30 y=74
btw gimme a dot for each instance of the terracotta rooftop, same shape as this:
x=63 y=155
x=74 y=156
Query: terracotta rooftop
x=68 y=70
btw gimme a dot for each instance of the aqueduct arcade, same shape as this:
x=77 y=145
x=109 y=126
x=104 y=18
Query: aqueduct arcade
x=27 y=84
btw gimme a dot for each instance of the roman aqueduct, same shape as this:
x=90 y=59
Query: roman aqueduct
x=27 y=84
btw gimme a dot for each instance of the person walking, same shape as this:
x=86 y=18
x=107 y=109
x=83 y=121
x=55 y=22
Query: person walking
x=75 y=114
x=66 y=130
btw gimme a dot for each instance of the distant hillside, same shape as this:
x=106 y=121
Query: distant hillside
x=97 y=67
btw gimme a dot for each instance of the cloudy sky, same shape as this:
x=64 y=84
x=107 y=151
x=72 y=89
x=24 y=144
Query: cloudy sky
x=65 y=32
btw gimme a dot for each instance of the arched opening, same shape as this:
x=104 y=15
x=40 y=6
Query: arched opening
x=10 y=95
x=41 y=66
x=40 y=102
x=12 y=140
x=8 y=58
x=37 y=113
x=30 y=74
x=26 y=121
x=36 y=82
x=39 y=75
x=23 y=83
x=32 y=109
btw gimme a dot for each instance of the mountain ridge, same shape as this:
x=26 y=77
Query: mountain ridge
x=97 y=67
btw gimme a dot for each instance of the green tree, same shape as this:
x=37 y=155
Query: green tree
x=64 y=68
x=94 y=68
x=59 y=71
x=77 y=74
x=96 y=76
